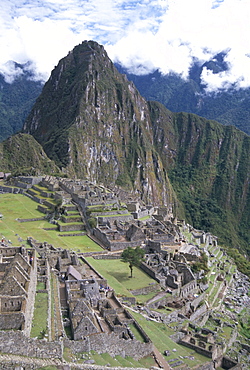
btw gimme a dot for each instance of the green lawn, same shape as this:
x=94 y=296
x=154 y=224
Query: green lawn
x=39 y=323
x=159 y=334
x=14 y=206
x=117 y=273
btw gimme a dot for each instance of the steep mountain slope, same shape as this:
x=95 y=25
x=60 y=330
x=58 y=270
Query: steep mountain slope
x=21 y=154
x=230 y=106
x=16 y=101
x=93 y=122
x=208 y=165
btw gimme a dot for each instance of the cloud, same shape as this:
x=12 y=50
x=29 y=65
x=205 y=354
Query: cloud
x=142 y=35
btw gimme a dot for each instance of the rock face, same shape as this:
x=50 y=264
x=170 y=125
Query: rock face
x=92 y=120
x=94 y=124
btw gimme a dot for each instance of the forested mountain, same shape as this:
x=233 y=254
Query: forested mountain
x=16 y=100
x=228 y=106
x=93 y=123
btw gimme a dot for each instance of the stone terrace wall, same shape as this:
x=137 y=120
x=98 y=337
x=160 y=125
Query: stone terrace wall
x=16 y=343
x=115 y=246
x=10 y=189
x=146 y=290
x=110 y=343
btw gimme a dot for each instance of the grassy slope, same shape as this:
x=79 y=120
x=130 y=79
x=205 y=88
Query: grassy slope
x=19 y=206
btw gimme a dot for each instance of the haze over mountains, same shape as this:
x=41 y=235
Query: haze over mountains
x=92 y=122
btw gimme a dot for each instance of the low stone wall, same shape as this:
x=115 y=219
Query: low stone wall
x=197 y=349
x=115 y=246
x=92 y=268
x=161 y=302
x=194 y=304
x=75 y=234
x=10 y=189
x=110 y=343
x=199 y=312
x=148 y=289
x=106 y=257
x=14 y=342
x=131 y=300
x=30 y=219
x=149 y=271
x=43 y=209
x=122 y=218
x=68 y=227
x=67 y=219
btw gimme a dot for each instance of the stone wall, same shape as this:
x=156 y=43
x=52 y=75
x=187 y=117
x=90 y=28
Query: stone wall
x=199 y=312
x=30 y=219
x=194 y=304
x=122 y=218
x=188 y=288
x=71 y=227
x=76 y=218
x=101 y=237
x=12 y=320
x=110 y=343
x=115 y=246
x=31 y=297
x=10 y=189
x=148 y=289
x=94 y=270
x=14 y=342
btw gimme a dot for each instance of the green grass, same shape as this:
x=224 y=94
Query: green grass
x=143 y=298
x=159 y=334
x=14 y=206
x=39 y=322
x=136 y=333
x=117 y=273
x=40 y=285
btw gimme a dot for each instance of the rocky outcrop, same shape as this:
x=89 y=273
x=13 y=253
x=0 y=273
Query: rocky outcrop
x=94 y=124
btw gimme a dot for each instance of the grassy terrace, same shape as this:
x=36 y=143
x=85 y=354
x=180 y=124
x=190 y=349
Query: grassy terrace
x=118 y=361
x=14 y=206
x=117 y=273
x=159 y=333
x=39 y=323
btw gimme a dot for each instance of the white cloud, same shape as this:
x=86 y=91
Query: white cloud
x=142 y=35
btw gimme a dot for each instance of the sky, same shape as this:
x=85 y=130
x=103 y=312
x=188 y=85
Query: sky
x=168 y=35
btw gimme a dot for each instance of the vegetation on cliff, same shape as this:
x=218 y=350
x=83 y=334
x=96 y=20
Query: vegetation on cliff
x=16 y=101
x=93 y=122
x=22 y=155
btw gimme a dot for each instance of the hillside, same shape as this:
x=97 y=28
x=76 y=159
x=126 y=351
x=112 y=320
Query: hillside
x=21 y=154
x=94 y=124
x=228 y=106
x=16 y=100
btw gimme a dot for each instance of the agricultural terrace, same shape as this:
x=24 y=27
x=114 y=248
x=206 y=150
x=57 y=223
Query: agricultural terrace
x=18 y=206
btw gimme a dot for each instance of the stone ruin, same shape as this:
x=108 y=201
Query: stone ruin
x=17 y=287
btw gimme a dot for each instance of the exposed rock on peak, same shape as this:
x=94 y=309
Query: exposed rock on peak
x=94 y=123
x=92 y=120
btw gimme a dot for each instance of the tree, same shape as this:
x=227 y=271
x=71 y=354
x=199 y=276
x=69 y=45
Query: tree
x=133 y=257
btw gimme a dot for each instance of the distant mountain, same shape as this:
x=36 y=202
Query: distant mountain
x=94 y=124
x=16 y=100
x=229 y=107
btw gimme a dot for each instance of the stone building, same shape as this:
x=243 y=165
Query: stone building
x=17 y=288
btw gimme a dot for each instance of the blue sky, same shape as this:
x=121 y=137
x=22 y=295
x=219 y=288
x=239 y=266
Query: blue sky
x=142 y=35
